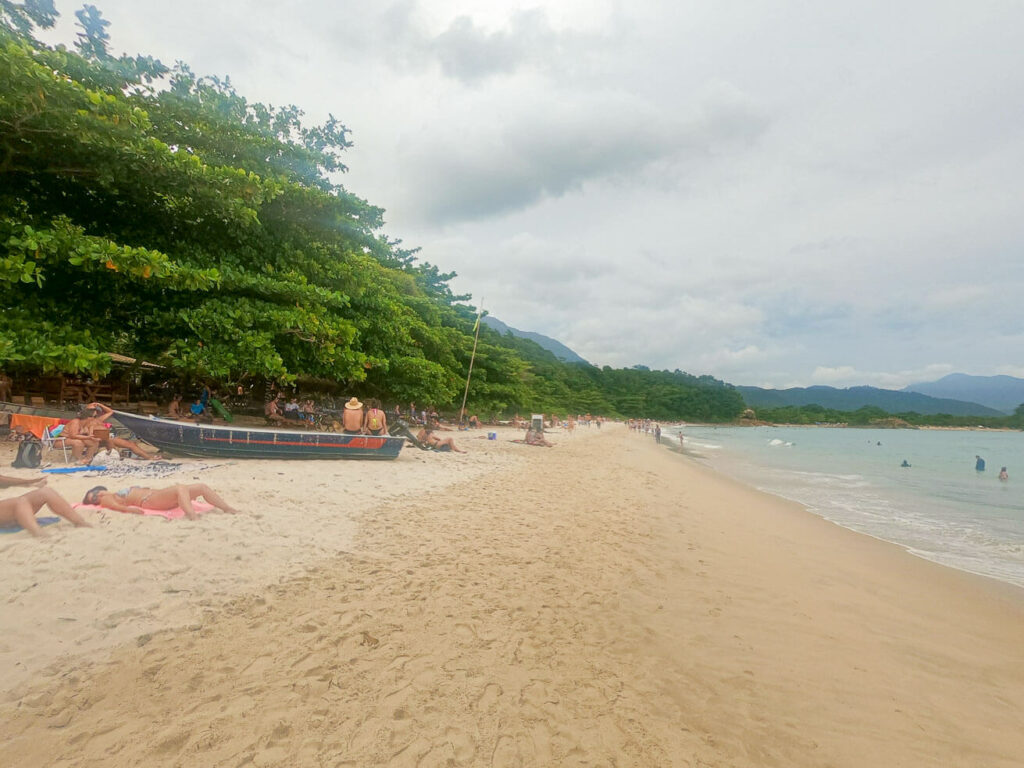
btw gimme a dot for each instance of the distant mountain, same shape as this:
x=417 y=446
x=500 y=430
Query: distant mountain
x=853 y=398
x=1003 y=393
x=557 y=348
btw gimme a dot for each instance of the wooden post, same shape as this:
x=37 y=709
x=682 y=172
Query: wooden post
x=472 y=357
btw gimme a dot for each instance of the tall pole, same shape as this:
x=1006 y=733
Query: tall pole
x=472 y=357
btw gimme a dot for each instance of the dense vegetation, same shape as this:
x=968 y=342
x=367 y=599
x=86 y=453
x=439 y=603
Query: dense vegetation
x=873 y=416
x=150 y=212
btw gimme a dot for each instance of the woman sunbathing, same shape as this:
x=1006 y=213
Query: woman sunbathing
x=137 y=498
x=427 y=437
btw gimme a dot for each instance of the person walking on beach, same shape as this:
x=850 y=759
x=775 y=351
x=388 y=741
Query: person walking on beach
x=21 y=510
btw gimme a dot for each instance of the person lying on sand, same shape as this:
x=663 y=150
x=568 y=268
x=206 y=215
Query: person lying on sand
x=95 y=427
x=21 y=510
x=137 y=498
x=13 y=482
x=427 y=437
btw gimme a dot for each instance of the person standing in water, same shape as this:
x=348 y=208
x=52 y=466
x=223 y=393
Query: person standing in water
x=979 y=463
x=1002 y=475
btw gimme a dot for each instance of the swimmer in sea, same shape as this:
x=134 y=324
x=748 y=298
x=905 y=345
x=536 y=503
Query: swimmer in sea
x=904 y=464
x=1002 y=474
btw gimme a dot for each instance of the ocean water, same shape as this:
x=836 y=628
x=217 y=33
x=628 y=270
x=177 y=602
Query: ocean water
x=939 y=508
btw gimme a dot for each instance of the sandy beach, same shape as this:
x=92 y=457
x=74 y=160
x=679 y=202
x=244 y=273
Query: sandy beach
x=603 y=602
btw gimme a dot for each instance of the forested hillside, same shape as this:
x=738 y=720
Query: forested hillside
x=151 y=212
x=853 y=398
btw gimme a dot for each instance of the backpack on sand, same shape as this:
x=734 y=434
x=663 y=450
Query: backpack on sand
x=30 y=455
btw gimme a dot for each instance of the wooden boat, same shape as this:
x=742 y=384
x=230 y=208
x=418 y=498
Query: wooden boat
x=182 y=438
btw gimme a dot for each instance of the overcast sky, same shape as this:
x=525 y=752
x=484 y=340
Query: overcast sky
x=778 y=193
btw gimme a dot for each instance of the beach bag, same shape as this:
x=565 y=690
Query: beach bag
x=30 y=455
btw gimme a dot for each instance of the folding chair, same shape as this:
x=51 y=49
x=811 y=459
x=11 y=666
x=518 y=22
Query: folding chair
x=51 y=443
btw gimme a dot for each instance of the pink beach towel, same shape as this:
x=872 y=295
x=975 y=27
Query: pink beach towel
x=171 y=514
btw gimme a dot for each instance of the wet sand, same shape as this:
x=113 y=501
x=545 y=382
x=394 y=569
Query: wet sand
x=602 y=602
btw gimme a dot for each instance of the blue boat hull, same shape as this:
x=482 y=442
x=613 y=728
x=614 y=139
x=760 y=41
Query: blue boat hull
x=182 y=438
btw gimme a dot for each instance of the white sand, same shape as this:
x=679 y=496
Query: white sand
x=83 y=590
x=605 y=602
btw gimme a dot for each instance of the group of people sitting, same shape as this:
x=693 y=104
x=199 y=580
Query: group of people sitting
x=89 y=432
x=279 y=411
x=21 y=510
x=356 y=418
x=359 y=419
x=200 y=410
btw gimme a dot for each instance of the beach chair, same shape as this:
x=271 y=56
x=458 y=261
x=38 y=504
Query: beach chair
x=52 y=442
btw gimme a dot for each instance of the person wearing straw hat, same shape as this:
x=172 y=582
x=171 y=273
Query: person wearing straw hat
x=352 y=418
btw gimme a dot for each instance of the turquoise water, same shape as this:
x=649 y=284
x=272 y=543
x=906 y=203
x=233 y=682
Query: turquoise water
x=939 y=508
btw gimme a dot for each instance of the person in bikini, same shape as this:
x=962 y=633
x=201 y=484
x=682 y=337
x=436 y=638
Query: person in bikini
x=174 y=408
x=272 y=410
x=138 y=498
x=82 y=443
x=95 y=427
x=21 y=510
x=427 y=437
x=352 y=417
x=536 y=437
x=375 y=422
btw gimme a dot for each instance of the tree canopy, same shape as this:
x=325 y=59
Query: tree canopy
x=151 y=212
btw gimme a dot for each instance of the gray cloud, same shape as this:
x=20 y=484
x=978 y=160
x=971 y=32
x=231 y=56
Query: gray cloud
x=469 y=53
x=769 y=192
x=531 y=156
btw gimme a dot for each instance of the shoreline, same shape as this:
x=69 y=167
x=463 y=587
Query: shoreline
x=1010 y=588
x=594 y=602
x=945 y=557
x=911 y=427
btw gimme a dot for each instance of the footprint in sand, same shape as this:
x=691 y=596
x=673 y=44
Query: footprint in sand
x=506 y=753
x=462 y=745
x=492 y=692
x=369 y=640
